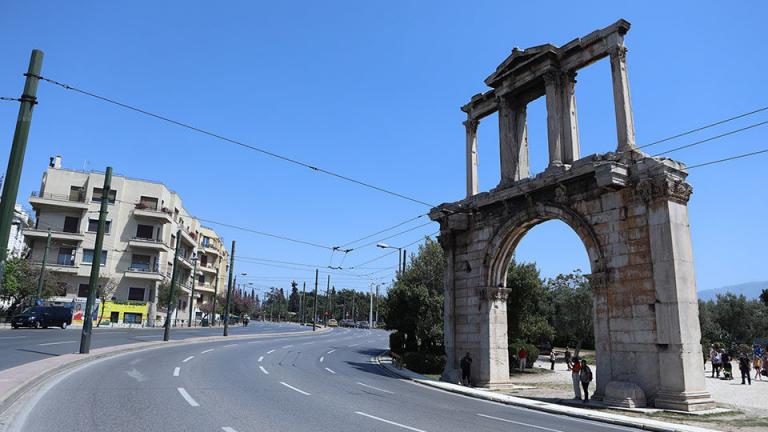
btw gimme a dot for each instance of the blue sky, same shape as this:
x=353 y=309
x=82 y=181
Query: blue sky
x=372 y=90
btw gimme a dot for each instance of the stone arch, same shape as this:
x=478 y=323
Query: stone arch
x=499 y=251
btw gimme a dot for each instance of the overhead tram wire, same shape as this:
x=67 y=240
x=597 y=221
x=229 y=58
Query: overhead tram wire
x=730 y=158
x=725 y=134
x=384 y=230
x=394 y=251
x=233 y=141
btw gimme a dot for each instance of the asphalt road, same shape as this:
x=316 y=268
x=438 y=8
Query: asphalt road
x=323 y=382
x=27 y=345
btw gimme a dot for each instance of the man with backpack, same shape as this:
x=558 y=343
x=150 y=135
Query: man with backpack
x=585 y=376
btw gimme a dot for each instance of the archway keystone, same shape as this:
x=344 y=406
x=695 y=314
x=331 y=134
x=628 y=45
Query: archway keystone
x=629 y=210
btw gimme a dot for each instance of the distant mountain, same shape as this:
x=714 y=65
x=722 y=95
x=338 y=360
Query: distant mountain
x=750 y=290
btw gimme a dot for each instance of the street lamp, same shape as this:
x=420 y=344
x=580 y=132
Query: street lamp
x=192 y=292
x=400 y=255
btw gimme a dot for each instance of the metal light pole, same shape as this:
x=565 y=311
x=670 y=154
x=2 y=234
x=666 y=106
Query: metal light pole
x=18 y=149
x=85 y=336
x=229 y=289
x=174 y=277
x=301 y=305
x=400 y=256
x=377 y=306
x=215 y=293
x=192 y=292
x=370 y=311
x=41 y=281
x=314 y=306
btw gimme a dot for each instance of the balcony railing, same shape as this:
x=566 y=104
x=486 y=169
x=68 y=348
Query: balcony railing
x=143 y=268
x=145 y=239
x=72 y=197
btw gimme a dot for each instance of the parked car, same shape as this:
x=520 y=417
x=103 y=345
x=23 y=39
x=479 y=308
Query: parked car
x=332 y=323
x=43 y=316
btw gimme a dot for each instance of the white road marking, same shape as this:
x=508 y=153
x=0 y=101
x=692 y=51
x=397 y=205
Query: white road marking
x=176 y=371
x=295 y=389
x=520 y=423
x=56 y=343
x=261 y=358
x=307 y=343
x=353 y=345
x=187 y=359
x=228 y=429
x=330 y=371
x=321 y=359
x=207 y=351
x=389 y=422
x=13 y=337
x=375 y=388
x=187 y=397
x=263 y=370
x=135 y=374
x=148 y=336
x=270 y=351
x=287 y=346
x=229 y=346
x=330 y=351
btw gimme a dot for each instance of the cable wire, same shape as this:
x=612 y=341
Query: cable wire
x=231 y=140
x=735 y=131
x=728 y=159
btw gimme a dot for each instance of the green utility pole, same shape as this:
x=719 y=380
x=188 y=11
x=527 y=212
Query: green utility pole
x=174 y=277
x=327 y=293
x=215 y=293
x=301 y=304
x=85 y=336
x=229 y=289
x=314 y=307
x=18 y=149
x=405 y=257
x=41 y=281
x=192 y=293
x=354 y=318
x=377 y=306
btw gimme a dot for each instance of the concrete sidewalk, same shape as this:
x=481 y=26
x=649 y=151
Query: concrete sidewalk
x=603 y=417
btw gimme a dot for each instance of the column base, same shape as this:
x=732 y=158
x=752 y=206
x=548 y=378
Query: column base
x=684 y=401
x=496 y=385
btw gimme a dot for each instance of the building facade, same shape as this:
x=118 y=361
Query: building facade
x=16 y=245
x=143 y=220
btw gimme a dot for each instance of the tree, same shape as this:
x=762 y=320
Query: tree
x=294 y=298
x=571 y=314
x=764 y=296
x=414 y=305
x=20 y=280
x=105 y=291
x=164 y=291
x=528 y=305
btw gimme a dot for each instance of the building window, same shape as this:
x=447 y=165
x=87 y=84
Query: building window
x=93 y=225
x=66 y=257
x=206 y=242
x=71 y=224
x=82 y=290
x=136 y=294
x=148 y=203
x=88 y=257
x=132 y=318
x=77 y=193
x=98 y=193
x=140 y=262
x=203 y=260
x=144 y=231
x=201 y=279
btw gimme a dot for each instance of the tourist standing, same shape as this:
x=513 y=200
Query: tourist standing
x=522 y=357
x=466 y=369
x=757 y=364
x=567 y=358
x=575 y=369
x=552 y=359
x=744 y=368
x=725 y=358
x=585 y=376
x=714 y=356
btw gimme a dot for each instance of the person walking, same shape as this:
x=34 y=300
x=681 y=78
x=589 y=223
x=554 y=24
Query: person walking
x=725 y=359
x=757 y=364
x=567 y=358
x=552 y=359
x=466 y=368
x=522 y=357
x=575 y=369
x=716 y=362
x=585 y=376
x=744 y=368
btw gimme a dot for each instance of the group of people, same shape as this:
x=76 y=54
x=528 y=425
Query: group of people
x=757 y=361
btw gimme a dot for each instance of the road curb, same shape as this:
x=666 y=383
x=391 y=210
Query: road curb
x=16 y=382
x=614 y=419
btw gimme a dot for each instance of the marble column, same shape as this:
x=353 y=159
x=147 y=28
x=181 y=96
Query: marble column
x=625 y=124
x=513 y=141
x=471 y=127
x=569 y=119
x=554 y=94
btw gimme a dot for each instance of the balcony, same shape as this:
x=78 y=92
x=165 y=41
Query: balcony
x=55 y=234
x=208 y=268
x=211 y=248
x=67 y=201
x=57 y=267
x=186 y=262
x=144 y=211
x=188 y=237
x=144 y=273
x=206 y=287
x=145 y=243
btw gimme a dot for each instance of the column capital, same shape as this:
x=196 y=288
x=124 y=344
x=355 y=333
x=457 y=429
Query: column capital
x=619 y=52
x=471 y=123
x=552 y=77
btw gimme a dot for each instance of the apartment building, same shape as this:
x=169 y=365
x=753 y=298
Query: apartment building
x=142 y=224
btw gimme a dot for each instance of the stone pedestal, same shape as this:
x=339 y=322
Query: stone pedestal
x=624 y=394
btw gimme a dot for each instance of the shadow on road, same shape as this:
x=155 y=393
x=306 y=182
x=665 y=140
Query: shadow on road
x=38 y=352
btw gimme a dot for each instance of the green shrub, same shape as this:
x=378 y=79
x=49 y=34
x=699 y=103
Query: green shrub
x=397 y=343
x=514 y=348
x=424 y=363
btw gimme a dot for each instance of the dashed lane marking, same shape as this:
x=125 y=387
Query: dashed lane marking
x=55 y=343
x=389 y=422
x=520 y=423
x=287 y=346
x=321 y=359
x=228 y=429
x=207 y=351
x=187 y=397
x=296 y=389
x=270 y=351
x=330 y=351
x=261 y=358
x=329 y=370
x=229 y=346
x=176 y=371
x=263 y=370
x=187 y=359
x=375 y=388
